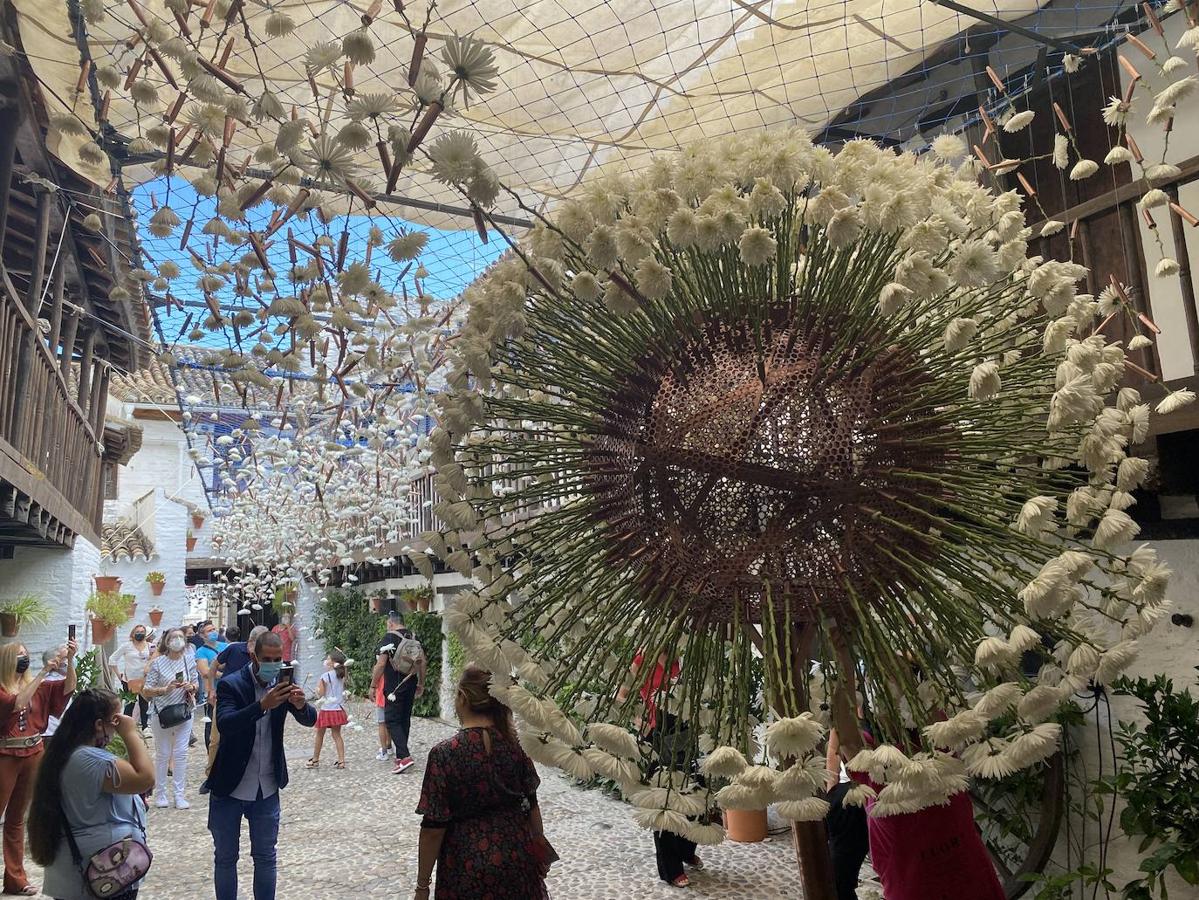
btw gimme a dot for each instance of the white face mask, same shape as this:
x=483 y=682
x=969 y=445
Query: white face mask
x=176 y=643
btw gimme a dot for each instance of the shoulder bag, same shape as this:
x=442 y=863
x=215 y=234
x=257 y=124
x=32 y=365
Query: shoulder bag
x=543 y=851
x=175 y=713
x=114 y=869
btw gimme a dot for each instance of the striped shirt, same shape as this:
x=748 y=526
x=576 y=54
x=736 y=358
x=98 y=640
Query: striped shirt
x=162 y=673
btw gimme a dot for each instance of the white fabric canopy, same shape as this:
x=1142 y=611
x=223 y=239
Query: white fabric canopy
x=583 y=85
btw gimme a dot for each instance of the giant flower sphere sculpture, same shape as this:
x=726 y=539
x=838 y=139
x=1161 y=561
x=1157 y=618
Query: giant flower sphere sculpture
x=768 y=402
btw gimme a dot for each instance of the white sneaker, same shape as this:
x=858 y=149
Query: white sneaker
x=181 y=803
x=382 y=756
x=161 y=802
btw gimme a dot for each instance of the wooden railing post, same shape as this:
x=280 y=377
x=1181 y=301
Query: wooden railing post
x=57 y=289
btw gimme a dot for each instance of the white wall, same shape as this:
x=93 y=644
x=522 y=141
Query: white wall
x=1165 y=294
x=62 y=578
x=1168 y=649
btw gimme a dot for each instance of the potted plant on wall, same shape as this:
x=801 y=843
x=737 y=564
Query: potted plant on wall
x=157 y=582
x=108 y=610
x=380 y=603
x=105 y=583
x=27 y=608
x=197 y=519
x=155 y=616
x=191 y=541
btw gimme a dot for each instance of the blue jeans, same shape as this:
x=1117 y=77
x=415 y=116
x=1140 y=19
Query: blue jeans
x=224 y=821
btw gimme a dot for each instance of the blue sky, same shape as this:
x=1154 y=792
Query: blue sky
x=452 y=258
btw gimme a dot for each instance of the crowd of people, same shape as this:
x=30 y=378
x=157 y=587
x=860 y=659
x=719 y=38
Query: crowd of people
x=481 y=830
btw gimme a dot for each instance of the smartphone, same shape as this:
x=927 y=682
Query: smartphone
x=71 y=631
x=287 y=674
x=179 y=678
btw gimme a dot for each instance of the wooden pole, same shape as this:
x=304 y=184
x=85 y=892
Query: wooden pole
x=1131 y=231
x=56 y=291
x=70 y=329
x=41 y=240
x=85 y=368
x=1184 y=276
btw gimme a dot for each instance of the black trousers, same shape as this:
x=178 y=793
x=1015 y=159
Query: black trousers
x=671 y=851
x=848 y=841
x=209 y=714
x=143 y=706
x=397 y=716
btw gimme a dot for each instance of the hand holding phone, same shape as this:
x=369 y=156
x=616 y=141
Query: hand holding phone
x=179 y=677
x=287 y=673
x=71 y=631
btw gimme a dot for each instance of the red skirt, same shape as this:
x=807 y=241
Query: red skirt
x=331 y=718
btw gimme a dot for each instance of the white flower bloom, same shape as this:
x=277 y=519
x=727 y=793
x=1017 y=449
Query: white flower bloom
x=757 y=246
x=974 y=264
x=1115 y=113
x=811 y=809
x=586 y=286
x=1139 y=342
x=1084 y=168
x=1118 y=154
x=1061 y=151
x=892 y=297
x=949 y=147
x=1165 y=267
x=1052 y=227
x=1036 y=516
x=793 y=736
x=985 y=381
x=723 y=762
x=1115 y=526
x=1173 y=64
x=653 y=279
x=1153 y=198
x=1175 y=400
x=1018 y=121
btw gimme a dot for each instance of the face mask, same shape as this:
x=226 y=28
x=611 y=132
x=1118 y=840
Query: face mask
x=139 y=635
x=269 y=671
x=285 y=620
x=176 y=644
x=22 y=664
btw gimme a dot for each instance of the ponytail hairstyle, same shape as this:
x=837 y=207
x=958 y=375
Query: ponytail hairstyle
x=339 y=663
x=76 y=729
x=473 y=688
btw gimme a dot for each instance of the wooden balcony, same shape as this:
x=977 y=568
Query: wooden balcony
x=49 y=454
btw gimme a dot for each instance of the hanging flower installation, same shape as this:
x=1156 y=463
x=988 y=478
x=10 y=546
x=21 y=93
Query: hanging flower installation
x=765 y=400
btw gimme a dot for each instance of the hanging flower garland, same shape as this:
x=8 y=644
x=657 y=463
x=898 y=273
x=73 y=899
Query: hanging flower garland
x=768 y=401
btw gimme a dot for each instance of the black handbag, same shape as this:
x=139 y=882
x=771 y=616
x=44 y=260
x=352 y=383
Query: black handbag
x=175 y=713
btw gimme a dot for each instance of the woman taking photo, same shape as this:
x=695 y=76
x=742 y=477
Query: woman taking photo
x=129 y=663
x=171 y=683
x=83 y=787
x=482 y=825
x=26 y=703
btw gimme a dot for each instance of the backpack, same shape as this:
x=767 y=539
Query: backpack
x=406 y=655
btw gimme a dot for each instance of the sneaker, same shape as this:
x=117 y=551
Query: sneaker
x=403 y=765
x=181 y=803
x=382 y=756
x=161 y=802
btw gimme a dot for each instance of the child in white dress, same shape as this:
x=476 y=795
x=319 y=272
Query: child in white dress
x=332 y=690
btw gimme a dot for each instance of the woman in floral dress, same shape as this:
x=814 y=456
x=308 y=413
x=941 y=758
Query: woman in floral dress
x=482 y=825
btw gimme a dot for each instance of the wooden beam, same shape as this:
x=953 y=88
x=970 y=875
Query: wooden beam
x=1183 y=258
x=10 y=122
x=157 y=415
x=1125 y=192
x=70 y=329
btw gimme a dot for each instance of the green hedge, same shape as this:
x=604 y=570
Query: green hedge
x=427 y=628
x=345 y=621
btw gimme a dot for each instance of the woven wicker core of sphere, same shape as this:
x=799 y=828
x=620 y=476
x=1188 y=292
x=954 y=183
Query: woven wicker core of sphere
x=728 y=473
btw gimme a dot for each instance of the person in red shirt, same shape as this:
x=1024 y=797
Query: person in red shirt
x=288 y=633
x=26 y=703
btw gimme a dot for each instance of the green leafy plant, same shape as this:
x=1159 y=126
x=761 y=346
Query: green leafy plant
x=87 y=669
x=27 y=609
x=344 y=620
x=110 y=607
x=427 y=628
x=1159 y=782
x=456 y=655
x=155 y=578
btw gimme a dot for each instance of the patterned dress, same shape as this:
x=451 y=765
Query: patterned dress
x=482 y=800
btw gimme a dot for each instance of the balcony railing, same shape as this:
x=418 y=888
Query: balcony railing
x=49 y=457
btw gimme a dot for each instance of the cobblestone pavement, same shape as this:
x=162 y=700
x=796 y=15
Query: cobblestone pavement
x=352 y=834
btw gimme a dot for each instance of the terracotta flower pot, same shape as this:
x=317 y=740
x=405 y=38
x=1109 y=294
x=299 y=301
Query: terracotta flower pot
x=106 y=583
x=101 y=631
x=10 y=625
x=746 y=826
x=156 y=617
x=378 y=603
x=156 y=587
x=423 y=603
x=197 y=521
x=191 y=544
x=131 y=609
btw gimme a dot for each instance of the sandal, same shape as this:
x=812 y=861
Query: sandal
x=681 y=881
x=339 y=765
x=312 y=764
x=695 y=862
x=29 y=890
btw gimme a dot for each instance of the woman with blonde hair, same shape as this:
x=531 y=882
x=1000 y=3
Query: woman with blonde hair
x=482 y=824
x=129 y=663
x=26 y=703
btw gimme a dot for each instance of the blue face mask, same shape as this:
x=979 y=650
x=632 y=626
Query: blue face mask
x=269 y=671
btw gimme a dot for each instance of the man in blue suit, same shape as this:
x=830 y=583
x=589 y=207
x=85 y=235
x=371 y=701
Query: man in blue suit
x=249 y=769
